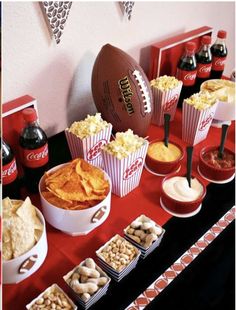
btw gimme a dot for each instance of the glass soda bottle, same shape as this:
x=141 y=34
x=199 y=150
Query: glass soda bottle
x=33 y=149
x=187 y=71
x=219 y=53
x=204 y=62
x=10 y=181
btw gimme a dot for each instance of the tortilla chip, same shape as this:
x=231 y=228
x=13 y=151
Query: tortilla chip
x=21 y=227
x=72 y=187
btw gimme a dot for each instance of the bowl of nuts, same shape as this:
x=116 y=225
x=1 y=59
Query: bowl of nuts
x=145 y=234
x=52 y=298
x=118 y=257
x=87 y=282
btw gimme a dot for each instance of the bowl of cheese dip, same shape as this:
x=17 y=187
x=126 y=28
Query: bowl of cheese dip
x=164 y=160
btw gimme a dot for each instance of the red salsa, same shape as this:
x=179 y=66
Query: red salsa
x=212 y=158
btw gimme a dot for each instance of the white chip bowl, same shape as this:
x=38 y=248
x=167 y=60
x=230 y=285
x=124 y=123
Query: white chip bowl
x=20 y=268
x=225 y=111
x=75 y=222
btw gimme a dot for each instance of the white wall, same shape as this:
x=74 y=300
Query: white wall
x=59 y=76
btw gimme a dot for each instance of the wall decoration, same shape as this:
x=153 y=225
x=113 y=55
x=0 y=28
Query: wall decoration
x=57 y=13
x=127 y=7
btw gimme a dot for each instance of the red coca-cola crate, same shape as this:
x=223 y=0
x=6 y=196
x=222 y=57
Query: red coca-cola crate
x=13 y=123
x=165 y=54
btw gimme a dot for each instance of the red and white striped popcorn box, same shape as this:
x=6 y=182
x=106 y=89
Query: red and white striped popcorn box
x=196 y=123
x=125 y=173
x=89 y=148
x=165 y=102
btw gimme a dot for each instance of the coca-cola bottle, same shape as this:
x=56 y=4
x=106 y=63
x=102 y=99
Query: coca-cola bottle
x=204 y=62
x=34 y=150
x=219 y=53
x=10 y=181
x=187 y=71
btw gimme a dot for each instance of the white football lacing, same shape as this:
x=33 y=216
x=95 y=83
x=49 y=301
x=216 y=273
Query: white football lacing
x=144 y=89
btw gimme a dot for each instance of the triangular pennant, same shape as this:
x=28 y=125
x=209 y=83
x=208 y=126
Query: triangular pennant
x=128 y=8
x=57 y=13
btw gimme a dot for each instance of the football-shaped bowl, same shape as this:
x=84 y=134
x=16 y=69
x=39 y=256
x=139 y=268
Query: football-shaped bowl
x=121 y=91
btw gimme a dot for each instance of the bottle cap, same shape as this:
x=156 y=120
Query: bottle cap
x=190 y=46
x=29 y=115
x=221 y=34
x=206 y=40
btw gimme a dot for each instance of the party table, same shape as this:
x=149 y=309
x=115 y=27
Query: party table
x=206 y=281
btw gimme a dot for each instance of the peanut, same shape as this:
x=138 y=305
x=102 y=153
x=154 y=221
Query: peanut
x=135 y=238
x=83 y=279
x=89 y=262
x=88 y=272
x=90 y=288
x=130 y=231
x=136 y=224
x=99 y=281
x=156 y=230
x=146 y=226
x=85 y=297
x=149 y=240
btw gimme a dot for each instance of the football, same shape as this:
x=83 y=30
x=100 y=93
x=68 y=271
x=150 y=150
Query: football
x=121 y=91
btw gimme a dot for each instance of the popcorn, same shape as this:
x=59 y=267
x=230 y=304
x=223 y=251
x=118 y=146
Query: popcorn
x=201 y=100
x=86 y=138
x=124 y=144
x=165 y=82
x=91 y=125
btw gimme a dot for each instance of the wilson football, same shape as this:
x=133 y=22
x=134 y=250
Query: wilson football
x=121 y=91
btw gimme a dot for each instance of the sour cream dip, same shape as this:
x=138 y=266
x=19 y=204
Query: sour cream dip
x=178 y=189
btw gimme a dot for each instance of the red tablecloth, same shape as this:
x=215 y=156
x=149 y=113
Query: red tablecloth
x=64 y=252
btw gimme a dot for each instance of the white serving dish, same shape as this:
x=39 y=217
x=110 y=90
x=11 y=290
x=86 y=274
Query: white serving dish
x=74 y=307
x=115 y=274
x=75 y=222
x=225 y=111
x=145 y=251
x=96 y=296
x=13 y=271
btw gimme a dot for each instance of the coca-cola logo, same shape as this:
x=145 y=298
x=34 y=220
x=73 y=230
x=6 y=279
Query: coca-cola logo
x=205 y=69
x=133 y=168
x=169 y=104
x=33 y=156
x=190 y=76
x=220 y=62
x=10 y=170
x=206 y=121
x=94 y=152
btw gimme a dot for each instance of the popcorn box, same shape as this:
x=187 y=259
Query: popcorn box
x=48 y=290
x=196 y=123
x=165 y=102
x=125 y=173
x=96 y=296
x=89 y=148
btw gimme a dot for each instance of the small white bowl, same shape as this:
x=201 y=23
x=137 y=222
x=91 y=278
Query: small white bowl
x=20 y=268
x=75 y=222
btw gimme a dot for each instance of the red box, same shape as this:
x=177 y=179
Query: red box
x=165 y=54
x=13 y=123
